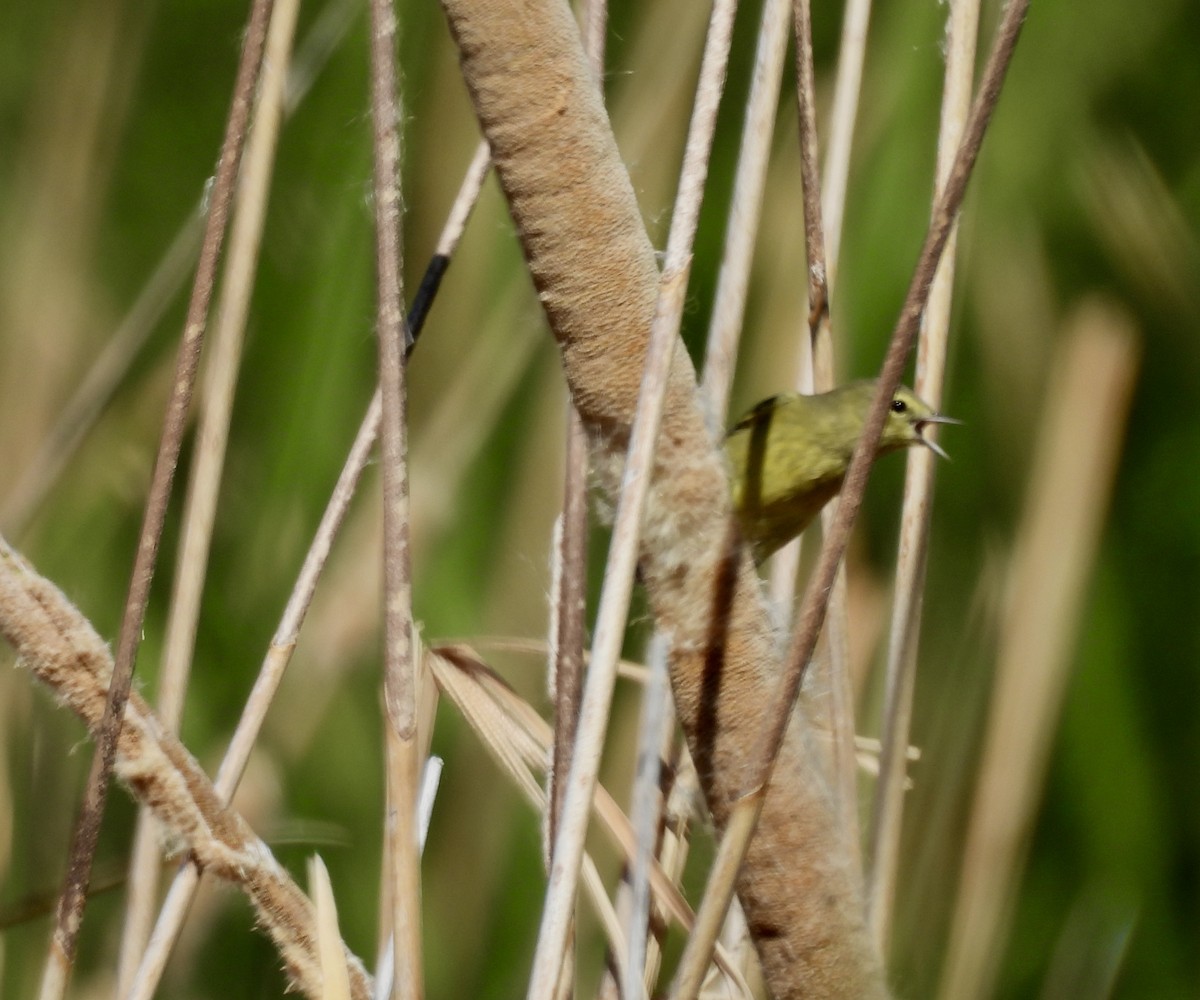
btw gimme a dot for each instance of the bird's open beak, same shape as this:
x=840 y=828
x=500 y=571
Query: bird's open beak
x=933 y=446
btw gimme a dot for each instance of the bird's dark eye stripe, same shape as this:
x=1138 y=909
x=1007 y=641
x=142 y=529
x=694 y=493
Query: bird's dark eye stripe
x=899 y=406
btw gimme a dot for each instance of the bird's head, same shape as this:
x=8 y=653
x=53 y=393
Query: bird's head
x=908 y=417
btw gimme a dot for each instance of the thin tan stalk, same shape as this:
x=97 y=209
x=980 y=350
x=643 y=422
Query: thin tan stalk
x=87 y=829
x=594 y=267
x=401 y=657
x=852 y=51
x=655 y=728
x=456 y=221
x=831 y=692
x=745 y=208
x=722 y=878
x=1073 y=469
x=682 y=802
x=335 y=977
x=403 y=886
x=568 y=635
x=622 y=971
x=820 y=375
x=676 y=807
x=431 y=776
x=569 y=586
x=607 y=914
x=59 y=647
x=814 y=233
x=900 y=679
x=567 y=624
x=216 y=406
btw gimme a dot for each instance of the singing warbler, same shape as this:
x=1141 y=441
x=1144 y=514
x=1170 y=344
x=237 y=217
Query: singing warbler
x=789 y=455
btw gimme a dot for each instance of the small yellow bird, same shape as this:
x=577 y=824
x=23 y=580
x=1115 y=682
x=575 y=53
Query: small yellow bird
x=789 y=455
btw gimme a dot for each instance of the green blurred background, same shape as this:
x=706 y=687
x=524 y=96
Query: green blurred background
x=111 y=113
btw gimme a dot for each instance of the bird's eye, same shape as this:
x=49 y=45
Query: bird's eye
x=899 y=406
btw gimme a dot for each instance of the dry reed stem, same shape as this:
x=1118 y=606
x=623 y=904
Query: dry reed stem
x=60 y=647
x=401 y=658
x=393 y=336
x=785 y=564
x=431 y=776
x=745 y=208
x=1087 y=401
x=627 y=669
x=852 y=51
x=568 y=626
x=617 y=946
x=216 y=406
x=735 y=936
x=656 y=730
x=887 y=812
x=595 y=271
x=710 y=918
x=814 y=233
x=87 y=828
x=568 y=616
x=678 y=812
x=831 y=692
x=665 y=331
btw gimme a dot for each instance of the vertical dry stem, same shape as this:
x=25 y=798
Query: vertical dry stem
x=87 y=829
x=212 y=435
x=401 y=657
x=888 y=805
x=569 y=589
x=745 y=208
x=813 y=608
x=832 y=690
x=568 y=625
